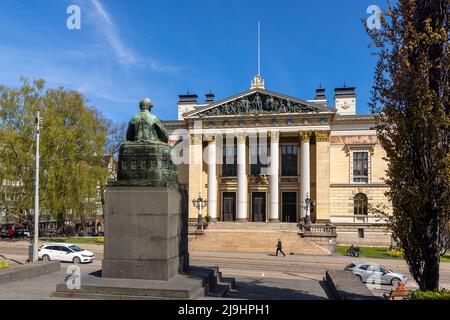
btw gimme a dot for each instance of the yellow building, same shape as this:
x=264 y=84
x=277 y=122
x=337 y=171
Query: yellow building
x=265 y=157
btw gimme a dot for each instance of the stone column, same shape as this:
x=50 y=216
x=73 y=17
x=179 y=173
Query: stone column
x=305 y=178
x=322 y=209
x=212 y=179
x=195 y=171
x=273 y=177
x=241 y=178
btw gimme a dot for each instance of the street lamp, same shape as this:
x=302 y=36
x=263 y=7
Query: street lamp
x=199 y=203
x=307 y=206
x=34 y=244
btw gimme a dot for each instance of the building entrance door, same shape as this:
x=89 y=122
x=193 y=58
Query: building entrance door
x=259 y=206
x=289 y=207
x=229 y=206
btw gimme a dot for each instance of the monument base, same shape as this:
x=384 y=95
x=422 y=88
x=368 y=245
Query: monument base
x=145 y=235
x=197 y=283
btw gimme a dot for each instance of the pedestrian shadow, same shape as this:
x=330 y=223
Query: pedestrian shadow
x=280 y=255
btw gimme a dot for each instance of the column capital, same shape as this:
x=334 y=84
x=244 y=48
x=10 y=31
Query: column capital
x=211 y=139
x=274 y=135
x=322 y=136
x=305 y=136
x=241 y=137
x=195 y=139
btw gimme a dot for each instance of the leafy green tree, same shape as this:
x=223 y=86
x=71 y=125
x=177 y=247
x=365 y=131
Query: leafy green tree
x=73 y=138
x=411 y=102
x=18 y=107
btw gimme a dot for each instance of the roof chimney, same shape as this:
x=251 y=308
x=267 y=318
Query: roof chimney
x=345 y=100
x=209 y=98
x=186 y=102
x=320 y=97
x=187 y=98
x=320 y=94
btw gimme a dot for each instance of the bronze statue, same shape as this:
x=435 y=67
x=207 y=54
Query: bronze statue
x=145 y=158
x=145 y=126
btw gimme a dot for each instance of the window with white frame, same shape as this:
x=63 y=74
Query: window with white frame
x=360 y=166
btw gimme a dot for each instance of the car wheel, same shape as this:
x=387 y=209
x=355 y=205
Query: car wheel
x=359 y=277
x=45 y=258
x=76 y=260
x=395 y=281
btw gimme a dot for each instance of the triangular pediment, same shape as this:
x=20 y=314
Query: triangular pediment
x=258 y=101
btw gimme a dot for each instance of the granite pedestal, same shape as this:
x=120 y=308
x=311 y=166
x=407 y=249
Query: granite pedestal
x=145 y=237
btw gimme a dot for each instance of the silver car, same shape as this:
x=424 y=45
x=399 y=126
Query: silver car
x=375 y=273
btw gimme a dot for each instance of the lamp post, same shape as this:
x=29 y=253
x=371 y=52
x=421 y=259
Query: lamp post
x=36 y=195
x=199 y=203
x=307 y=206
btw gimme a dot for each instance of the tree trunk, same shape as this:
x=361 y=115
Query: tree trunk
x=430 y=275
x=59 y=223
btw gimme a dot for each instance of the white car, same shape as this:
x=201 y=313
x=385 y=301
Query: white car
x=64 y=252
x=373 y=272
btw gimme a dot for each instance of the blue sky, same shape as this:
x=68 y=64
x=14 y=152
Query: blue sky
x=126 y=50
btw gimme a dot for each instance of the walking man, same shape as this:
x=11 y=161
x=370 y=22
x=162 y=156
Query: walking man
x=279 y=248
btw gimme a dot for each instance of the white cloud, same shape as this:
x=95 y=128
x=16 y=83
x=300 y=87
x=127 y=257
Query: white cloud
x=125 y=55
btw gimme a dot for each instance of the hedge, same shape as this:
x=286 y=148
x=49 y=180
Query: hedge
x=430 y=295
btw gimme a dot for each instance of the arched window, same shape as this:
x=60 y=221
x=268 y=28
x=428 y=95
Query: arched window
x=360 y=204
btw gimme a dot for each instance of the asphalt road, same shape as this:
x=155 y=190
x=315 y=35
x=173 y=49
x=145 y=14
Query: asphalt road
x=260 y=276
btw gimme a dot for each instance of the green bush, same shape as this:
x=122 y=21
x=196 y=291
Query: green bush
x=430 y=295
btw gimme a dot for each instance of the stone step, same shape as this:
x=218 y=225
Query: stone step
x=129 y=287
x=199 y=293
x=233 y=225
x=221 y=290
x=229 y=280
x=258 y=241
x=197 y=283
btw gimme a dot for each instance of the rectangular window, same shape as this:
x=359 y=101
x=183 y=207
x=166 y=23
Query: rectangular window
x=289 y=158
x=360 y=233
x=256 y=154
x=229 y=164
x=361 y=167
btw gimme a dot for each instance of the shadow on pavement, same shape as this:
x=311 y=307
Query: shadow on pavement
x=266 y=289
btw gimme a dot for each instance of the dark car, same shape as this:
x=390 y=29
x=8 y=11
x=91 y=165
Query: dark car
x=21 y=233
x=4 y=234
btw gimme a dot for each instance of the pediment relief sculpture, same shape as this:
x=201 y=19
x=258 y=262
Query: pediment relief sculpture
x=259 y=103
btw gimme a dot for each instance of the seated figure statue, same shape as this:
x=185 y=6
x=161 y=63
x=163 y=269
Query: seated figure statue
x=145 y=158
x=145 y=126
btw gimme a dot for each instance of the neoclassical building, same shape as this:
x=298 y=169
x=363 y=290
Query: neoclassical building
x=262 y=156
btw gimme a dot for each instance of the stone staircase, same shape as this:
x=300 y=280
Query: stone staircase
x=254 y=237
x=199 y=282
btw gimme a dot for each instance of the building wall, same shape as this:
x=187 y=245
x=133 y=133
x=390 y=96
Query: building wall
x=342 y=197
x=374 y=235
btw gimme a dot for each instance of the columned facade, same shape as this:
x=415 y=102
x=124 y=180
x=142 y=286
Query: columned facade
x=314 y=153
